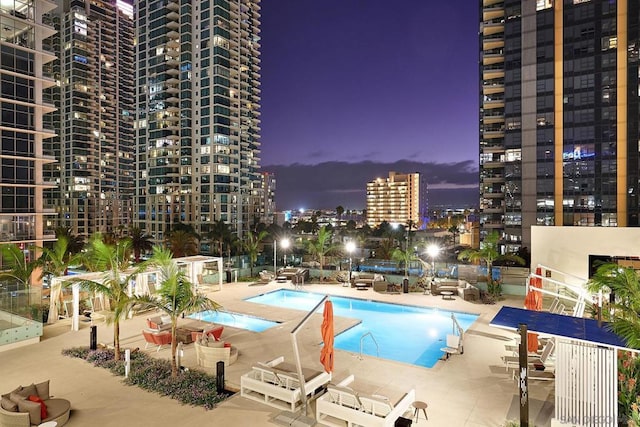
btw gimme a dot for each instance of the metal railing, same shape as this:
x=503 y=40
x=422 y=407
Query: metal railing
x=374 y=341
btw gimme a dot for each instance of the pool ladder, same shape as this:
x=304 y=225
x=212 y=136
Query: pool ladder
x=374 y=341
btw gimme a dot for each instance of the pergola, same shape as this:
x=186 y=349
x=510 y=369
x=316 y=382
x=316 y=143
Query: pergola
x=143 y=284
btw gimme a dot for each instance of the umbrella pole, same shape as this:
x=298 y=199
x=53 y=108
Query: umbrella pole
x=296 y=352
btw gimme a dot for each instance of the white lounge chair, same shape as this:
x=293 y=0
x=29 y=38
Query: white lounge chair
x=513 y=362
x=274 y=383
x=342 y=404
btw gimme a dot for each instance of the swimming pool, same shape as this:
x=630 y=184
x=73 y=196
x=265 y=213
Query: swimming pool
x=237 y=320
x=404 y=333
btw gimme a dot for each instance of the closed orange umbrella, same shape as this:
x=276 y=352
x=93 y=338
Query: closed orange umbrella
x=326 y=355
x=533 y=301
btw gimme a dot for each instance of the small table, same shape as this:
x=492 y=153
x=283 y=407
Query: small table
x=446 y=294
x=418 y=405
x=184 y=334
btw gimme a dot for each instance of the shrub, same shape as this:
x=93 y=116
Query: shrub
x=194 y=388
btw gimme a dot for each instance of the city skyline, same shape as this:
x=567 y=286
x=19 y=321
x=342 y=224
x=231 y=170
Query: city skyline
x=383 y=85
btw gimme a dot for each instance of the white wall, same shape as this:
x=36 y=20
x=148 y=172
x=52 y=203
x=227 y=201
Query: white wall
x=568 y=248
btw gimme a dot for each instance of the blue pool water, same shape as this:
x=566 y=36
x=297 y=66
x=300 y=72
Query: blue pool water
x=236 y=320
x=404 y=333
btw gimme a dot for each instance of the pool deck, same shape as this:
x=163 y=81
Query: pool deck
x=472 y=389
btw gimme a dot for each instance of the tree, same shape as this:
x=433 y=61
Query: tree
x=404 y=257
x=339 y=211
x=55 y=261
x=174 y=296
x=113 y=260
x=75 y=243
x=454 y=231
x=252 y=246
x=320 y=247
x=140 y=242
x=624 y=285
x=488 y=253
x=219 y=234
x=19 y=268
x=182 y=243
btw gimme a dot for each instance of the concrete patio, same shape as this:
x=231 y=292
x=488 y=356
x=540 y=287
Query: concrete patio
x=467 y=390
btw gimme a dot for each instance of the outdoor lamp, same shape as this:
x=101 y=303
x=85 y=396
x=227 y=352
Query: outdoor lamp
x=350 y=247
x=433 y=251
x=284 y=243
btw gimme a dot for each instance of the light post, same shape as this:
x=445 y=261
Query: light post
x=285 y=244
x=433 y=251
x=350 y=247
x=275 y=256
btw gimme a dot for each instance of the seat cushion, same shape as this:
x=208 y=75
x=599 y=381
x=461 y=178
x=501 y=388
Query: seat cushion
x=8 y=405
x=56 y=408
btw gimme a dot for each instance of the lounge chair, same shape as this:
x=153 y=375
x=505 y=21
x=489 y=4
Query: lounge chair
x=341 y=403
x=453 y=346
x=275 y=383
x=513 y=362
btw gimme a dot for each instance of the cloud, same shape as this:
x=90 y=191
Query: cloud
x=329 y=184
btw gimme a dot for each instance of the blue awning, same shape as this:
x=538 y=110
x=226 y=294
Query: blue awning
x=576 y=328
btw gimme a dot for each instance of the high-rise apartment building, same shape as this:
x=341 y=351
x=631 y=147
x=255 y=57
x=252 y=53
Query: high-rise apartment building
x=24 y=27
x=95 y=143
x=268 y=203
x=395 y=199
x=559 y=115
x=198 y=119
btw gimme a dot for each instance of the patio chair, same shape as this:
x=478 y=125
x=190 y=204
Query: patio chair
x=156 y=338
x=453 y=346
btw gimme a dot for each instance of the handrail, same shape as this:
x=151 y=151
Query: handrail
x=460 y=333
x=374 y=341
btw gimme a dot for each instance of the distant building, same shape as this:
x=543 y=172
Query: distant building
x=395 y=199
x=94 y=122
x=559 y=133
x=268 y=205
x=198 y=118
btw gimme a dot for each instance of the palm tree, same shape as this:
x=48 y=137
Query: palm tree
x=182 y=243
x=321 y=247
x=113 y=260
x=55 y=261
x=404 y=257
x=488 y=253
x=339 y=211
x=75 y=243
x=252 y=246
x=174 y=296
x=219 y=234
x=18 y=268
x=140 y=242
x=454 y=231
x=623 y=283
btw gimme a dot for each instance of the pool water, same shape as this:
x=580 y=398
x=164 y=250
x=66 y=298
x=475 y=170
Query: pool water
x=237 y=320
x=403 y=333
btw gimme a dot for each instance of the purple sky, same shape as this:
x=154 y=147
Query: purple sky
x=369 y=80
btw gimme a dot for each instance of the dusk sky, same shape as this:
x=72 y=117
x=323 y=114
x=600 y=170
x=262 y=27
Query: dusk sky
x=368 y=81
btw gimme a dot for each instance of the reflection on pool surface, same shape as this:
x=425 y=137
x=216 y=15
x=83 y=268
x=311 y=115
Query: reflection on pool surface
x=404 y=333
x=237 y=320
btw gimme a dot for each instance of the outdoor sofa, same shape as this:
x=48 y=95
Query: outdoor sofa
x=210 y=351
x=366 y=279
x=22 y=407
x=461 y=288
x=288 y=273
x=276 y=384
x=341 y=403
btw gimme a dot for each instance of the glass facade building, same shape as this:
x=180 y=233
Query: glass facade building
x=95 y=142
x=197 y=118
x=559 y=115
x=24 y=27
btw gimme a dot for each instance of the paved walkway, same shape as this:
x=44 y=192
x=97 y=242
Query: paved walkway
x=468 y=390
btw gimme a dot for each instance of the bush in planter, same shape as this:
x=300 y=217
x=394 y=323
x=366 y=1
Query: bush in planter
x=191 y=387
